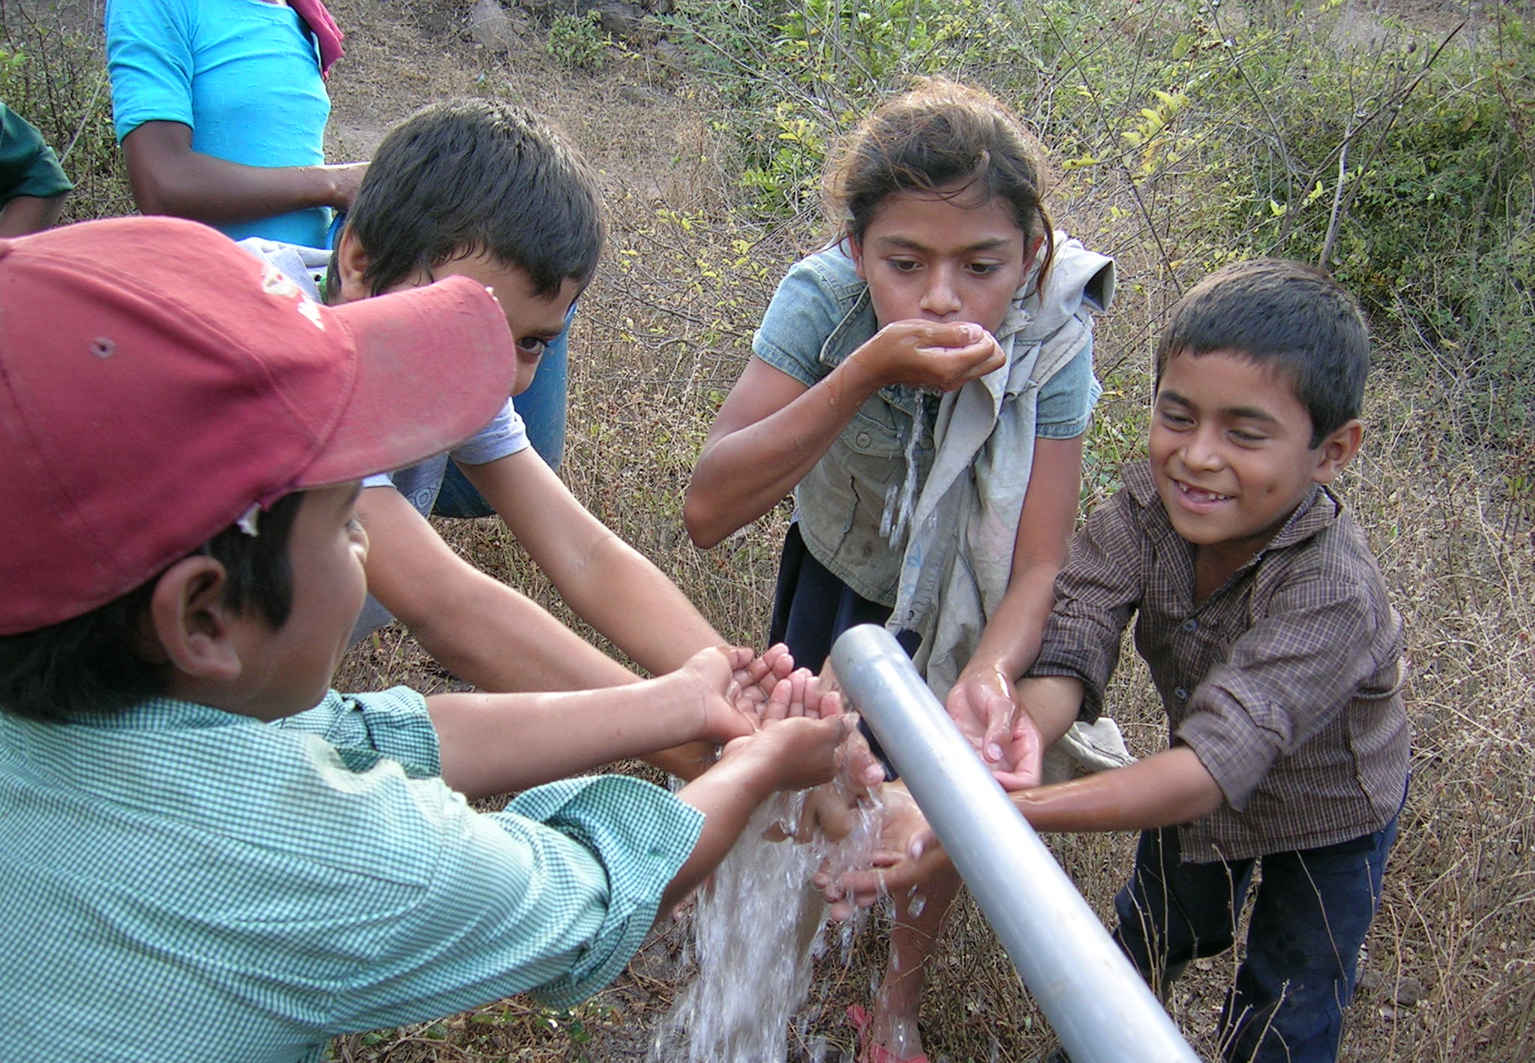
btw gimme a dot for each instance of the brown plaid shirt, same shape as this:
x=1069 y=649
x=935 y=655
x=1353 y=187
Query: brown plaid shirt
x=1286 y=682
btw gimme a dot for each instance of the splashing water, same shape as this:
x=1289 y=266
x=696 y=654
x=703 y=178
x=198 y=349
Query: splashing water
x=901 y=498
x=755 y=932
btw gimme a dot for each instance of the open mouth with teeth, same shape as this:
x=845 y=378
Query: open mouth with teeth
x=1199 y=496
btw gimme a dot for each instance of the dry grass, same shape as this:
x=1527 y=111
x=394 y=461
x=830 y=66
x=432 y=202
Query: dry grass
x=661 y=337
x=1448 y=975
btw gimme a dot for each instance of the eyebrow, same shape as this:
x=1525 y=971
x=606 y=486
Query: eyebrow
x=355 y=494
x=907 y=244
x=1243 y=413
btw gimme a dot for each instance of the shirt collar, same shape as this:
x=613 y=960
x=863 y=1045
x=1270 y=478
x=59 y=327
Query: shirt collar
x=161 y=714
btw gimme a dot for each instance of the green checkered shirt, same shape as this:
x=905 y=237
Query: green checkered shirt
x=179 y=883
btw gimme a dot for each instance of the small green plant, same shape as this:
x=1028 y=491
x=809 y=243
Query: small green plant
x=55 y=77
x=578 y=42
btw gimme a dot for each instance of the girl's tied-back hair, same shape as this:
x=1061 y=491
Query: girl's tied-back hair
x=945 y=139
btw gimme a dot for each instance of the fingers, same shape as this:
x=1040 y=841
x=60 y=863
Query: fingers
x=1022 y=778
x=864 y=770
x=778 y=660
x=1001 y=721
x=778 y=705
x=824 y=703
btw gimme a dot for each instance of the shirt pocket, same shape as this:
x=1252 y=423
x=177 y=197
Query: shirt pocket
x=875 y=436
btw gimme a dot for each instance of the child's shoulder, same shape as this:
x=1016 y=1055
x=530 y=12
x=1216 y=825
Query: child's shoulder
x=831 y=269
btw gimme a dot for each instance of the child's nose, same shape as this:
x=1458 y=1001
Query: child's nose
x=1203 y=451
x=942 y=295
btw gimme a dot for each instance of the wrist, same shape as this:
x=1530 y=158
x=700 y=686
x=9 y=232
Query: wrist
x=855 y=378
x=749 y=770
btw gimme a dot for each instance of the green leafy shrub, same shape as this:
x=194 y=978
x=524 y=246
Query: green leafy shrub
x=577 y=41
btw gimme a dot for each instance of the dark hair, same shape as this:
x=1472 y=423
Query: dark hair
x=1283 y=314
x=91 y=663
x=945 y=139
x=470 y=177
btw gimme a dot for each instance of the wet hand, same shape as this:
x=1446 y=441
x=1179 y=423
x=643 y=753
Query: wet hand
x=925 y=354
x=801 y=693
x=984 y=706
x=794 y=753
x=907 y=855
x=833 y=810
x=761 y=675
x=715 y=674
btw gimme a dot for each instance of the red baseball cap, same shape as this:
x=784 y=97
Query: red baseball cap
x=157 y=381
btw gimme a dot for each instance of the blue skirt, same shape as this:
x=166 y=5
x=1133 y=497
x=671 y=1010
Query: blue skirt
x=811 y=607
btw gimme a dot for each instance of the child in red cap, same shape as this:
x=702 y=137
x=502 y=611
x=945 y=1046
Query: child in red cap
x=206 y=854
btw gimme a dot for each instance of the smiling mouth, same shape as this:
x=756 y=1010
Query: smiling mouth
x=1198 y=495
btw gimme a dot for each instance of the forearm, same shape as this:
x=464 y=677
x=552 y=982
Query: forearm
x=1011 y=639
x=622 y=594
x=30 y=214
x=1163 y=790
x=687 y=761
x=497 y=638
x=168 y=177
x=727 y=794
x=496 y=743
x=744 y=472
x=1052 y=702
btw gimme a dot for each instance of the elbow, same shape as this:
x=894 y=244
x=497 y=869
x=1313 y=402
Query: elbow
x=703 y=524
x=152 y=194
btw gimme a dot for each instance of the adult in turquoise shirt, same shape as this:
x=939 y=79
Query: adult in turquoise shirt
x=221 y=107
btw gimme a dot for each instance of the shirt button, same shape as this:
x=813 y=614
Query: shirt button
x=1181 y=694
x=863 y=439
x=1190 y=624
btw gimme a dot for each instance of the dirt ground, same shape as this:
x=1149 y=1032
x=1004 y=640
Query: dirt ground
x=403 y=55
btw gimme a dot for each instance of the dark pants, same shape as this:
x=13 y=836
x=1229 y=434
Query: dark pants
x=1310 y=914
x=812 y=607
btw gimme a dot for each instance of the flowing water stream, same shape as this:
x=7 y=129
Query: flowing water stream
x=755 y=934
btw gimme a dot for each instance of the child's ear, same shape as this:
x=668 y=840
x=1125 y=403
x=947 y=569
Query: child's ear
x=351 y=266
x=191 y=623
x=1336 y=451
x=855 y=249
x=1032 y=251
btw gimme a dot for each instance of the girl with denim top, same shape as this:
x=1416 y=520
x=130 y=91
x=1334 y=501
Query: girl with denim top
x=923 y=386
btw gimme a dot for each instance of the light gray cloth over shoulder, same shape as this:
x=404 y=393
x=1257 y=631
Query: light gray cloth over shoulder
x=958 y=561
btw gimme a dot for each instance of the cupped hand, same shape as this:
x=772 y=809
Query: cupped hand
x=800 y=693
x=984 y=705
x=796 y=753
x=907 y=855
x=725 y=711
x=938 y=356
x=833 y=810
x=761 y=676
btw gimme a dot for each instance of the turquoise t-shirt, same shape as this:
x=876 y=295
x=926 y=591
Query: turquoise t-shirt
x=243 y=74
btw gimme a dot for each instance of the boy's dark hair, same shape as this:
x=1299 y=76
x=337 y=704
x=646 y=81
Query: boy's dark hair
x=939 y=137
x=476 y=177
x=91 y=663
x=1287 y=315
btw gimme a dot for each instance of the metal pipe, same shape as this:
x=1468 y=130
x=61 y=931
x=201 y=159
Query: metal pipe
x=1097 y=1003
